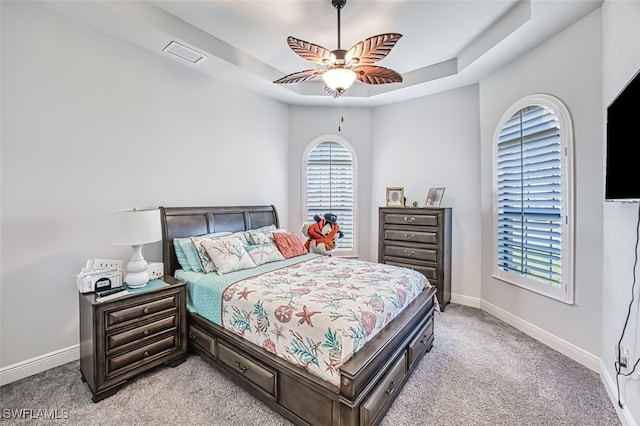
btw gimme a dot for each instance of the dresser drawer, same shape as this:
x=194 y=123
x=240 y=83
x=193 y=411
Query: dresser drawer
x=116 y=364
x=201 y=339
x=120 y=316
x=256 y=373
x=411 y=253
x=431 y=272
x=384 y=392
x=421 y=342
x=145 y=331
x=427 y=219
x=411 y=236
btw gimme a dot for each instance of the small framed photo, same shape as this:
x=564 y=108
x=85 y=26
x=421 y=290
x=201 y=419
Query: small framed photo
x=395 y=197
x=434 y=197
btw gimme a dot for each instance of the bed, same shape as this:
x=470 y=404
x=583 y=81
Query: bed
x=365 y=385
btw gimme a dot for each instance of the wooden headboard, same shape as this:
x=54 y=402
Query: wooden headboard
x=181 y=222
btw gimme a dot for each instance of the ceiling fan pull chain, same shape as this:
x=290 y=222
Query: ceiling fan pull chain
x=340 y=116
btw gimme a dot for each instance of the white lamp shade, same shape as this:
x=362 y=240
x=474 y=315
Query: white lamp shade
x=130 y=228
x=339 y=79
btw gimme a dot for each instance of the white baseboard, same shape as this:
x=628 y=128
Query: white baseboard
x=575 y=353
x=460 y=299
x=35 y=365
x=610 y=385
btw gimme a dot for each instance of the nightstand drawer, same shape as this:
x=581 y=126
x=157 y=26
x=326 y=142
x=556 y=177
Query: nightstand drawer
x=120 y=316
x=150 y=330
x=411 y=236
x=259 y=375
x=145 y=353
x=411 y=253
x=412 y=219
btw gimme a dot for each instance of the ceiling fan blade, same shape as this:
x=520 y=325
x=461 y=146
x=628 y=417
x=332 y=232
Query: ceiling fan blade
x=372 y=74
x=373 y=49
x=333 y=93
x=299 y=76
x=309 y=51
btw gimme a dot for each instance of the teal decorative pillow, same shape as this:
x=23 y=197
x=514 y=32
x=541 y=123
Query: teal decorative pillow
x=189 y=253
x=228 y=255
x=264 y=253
x=182 y=259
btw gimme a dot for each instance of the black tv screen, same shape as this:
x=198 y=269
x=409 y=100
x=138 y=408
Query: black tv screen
x=622 y=180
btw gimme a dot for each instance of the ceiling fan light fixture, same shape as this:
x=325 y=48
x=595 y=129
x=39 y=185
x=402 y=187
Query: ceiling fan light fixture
x=343 y=67
x=339 y=79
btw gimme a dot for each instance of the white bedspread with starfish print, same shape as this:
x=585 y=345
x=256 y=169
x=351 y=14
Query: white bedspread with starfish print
x=317 y=313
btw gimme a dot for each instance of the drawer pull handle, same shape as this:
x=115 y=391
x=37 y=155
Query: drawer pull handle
x=192 y=336
x=146 y=354
x=390 y=388
x=409 y=253
x=146 y=332
x=423 y=340
x=409 y=237
x=145 y=310
x=241 y=368
x=409 y=219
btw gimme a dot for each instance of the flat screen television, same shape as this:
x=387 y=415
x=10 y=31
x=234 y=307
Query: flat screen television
x=622 y=179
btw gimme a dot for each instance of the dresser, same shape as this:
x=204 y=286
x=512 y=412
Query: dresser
x=123 y=337
x=420 y=239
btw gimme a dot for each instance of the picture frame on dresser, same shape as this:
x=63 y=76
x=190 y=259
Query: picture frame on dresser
x=395 y=196
x=434 y=197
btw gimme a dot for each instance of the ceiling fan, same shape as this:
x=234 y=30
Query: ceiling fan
x=343 y=67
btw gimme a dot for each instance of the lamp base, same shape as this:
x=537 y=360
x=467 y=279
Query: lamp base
x=137 y=273
x=137 y=279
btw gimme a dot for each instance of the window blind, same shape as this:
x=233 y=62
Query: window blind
x=530 y=195
x=330 y=187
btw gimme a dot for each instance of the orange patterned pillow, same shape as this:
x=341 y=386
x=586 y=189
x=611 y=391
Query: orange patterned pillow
x=289 y=244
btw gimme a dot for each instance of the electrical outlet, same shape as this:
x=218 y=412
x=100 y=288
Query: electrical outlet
x=622 y=358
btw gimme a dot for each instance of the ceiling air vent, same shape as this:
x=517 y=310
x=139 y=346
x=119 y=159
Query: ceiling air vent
x=184 y=53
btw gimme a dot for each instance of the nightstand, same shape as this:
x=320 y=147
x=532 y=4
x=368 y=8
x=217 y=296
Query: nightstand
x=123 y=337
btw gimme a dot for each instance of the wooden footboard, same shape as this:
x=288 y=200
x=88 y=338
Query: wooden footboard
x=370 y=381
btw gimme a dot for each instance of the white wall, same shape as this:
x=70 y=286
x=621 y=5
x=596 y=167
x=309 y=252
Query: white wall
x=432 y=142
x=568 y=66
x=621 y=59
x=309 y=123
x=92 y=125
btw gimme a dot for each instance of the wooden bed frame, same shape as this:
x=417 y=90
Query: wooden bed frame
x=369 y=381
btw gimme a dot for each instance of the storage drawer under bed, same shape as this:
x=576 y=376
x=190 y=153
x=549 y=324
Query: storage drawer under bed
x=258 y=374
x=203 y=340
x=384 y=393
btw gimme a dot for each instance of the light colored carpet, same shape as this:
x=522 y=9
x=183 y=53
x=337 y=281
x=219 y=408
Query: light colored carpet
x=480 y=372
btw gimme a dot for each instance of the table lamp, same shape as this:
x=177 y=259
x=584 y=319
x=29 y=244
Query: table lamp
x=135 y=228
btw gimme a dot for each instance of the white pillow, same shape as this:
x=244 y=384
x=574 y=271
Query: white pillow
x=264 y=253
x=228 y=255
x=205 y=263
x=261 y=235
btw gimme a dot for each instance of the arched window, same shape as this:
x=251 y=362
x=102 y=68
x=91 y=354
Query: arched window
x=533 y=197
x=329 y=169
